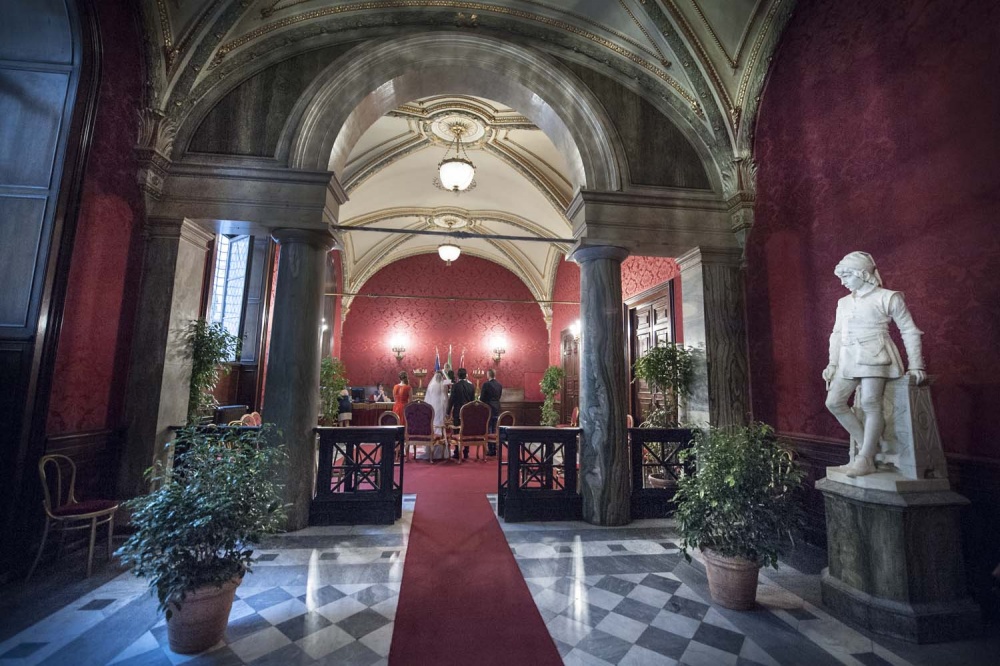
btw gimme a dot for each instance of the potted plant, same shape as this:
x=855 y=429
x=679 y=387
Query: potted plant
x=668 y=369
x=739 y=506
x=550 y=384
x=194 y=533
x=209 y=346
x=332 y=380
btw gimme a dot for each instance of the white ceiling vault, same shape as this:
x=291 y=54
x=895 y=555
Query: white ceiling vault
x=706 y=59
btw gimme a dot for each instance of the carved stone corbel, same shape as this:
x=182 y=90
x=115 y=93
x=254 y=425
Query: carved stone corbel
x=153 y=147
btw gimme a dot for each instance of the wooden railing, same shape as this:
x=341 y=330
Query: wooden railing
x=541 y=478
x=656 y=468
x=358 y=479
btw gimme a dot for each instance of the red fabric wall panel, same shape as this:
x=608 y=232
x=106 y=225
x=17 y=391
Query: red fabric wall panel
x=878 y=131
x=567 y=288
x=428 y=321
x=92 y=357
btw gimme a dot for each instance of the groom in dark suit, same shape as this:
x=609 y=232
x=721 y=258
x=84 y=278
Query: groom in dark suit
x=462 y=392
x=490 y=394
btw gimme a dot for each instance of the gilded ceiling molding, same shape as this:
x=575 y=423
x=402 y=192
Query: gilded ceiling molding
x=473 y=216
x=169 y=52
x=734 y=60
x=379 y=163
x=659 y=53
x=741 y=93
x=700 y=51
x=542 y=183
x=245 y=39
x=507 y=140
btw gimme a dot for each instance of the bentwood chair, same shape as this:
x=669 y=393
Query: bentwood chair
x=473 y=429
x=388 y=419
x=419 y=417
x=505 y=419
x=58 y=474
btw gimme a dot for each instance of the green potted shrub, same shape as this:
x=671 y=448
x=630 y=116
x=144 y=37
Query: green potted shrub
x=332 y=380
x=209 y=346
x=550 y=384
x=194 y=534
x=668 y=369
x=739 y=506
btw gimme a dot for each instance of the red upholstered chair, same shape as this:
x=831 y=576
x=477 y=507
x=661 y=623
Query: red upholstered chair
x=419 y=417
x=629 y=421
x=505 y=419
x=574 y=419
x=58 y=474
x=473 y=431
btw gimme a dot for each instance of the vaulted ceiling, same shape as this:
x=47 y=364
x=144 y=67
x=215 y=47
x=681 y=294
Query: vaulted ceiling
x=705 y=58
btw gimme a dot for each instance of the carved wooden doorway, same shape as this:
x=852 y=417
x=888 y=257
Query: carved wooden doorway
x=569 y=346
x=650 y=321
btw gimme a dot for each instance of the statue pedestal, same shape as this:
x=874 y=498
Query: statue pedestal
x=896 y=565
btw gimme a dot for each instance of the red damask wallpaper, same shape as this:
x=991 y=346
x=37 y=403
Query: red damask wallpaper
x=566 y=288
x=428 y=320
x=92 y=357
x=878 y=131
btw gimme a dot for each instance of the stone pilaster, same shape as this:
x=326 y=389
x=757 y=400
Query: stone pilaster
x=160 y=369
x=291 y=396
x=713 y=319
x=604 y=458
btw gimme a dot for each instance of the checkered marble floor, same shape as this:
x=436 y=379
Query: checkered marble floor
x=323 y=595
x=627 y=596
x=328 y=595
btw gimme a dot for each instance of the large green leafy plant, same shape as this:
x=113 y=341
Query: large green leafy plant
x=198 y=527
x=332 y=380
x=209 y=345
x=668 y=369
x=742 y=499
x=550 y=384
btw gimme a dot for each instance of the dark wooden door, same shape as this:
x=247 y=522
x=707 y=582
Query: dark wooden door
x=650 y=322
x=570 y=350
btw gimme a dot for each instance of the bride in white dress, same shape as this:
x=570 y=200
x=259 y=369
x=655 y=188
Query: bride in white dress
x=437 y=397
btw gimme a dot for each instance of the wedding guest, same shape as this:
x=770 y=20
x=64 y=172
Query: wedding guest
x=379 y=395
x=490 y=394
x=401 y=396
x=462 y=392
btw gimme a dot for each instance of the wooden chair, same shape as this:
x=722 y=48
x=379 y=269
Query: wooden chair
x=505 y=419
x=629 y=421
x=574 y=419
x=473 y=430
x=73 y=514
x=419 y=417
x=388 y=419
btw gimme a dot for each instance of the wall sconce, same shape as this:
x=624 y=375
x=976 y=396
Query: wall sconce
x=498 y=351
x=399 y=350
x=574 y=329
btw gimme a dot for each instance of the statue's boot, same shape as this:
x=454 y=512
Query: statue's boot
x=860 y=466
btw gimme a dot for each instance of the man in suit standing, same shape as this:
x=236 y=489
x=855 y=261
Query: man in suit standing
x=462 y=391
x=490 y=394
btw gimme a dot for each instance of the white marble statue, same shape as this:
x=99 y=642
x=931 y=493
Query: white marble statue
x=863 y=355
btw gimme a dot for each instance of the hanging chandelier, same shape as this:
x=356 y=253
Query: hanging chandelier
x=456 y=173
x=449 y=251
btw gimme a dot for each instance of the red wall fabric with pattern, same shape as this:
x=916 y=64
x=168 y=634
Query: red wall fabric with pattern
x=428 y=320
x=92 y=358
x=566 y=288
x=878 y=131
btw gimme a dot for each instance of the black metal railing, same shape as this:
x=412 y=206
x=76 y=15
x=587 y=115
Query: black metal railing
x=359 y=481
x=656 y=468
x=541 y=467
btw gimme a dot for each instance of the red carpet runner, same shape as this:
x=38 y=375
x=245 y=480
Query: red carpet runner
x=463 y=599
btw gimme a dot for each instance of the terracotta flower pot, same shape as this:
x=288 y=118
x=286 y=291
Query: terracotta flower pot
x=202 y=617
x=731 y=580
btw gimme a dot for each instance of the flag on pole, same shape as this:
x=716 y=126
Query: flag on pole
x=449 y=357
x=437 y=359
x=461 y=359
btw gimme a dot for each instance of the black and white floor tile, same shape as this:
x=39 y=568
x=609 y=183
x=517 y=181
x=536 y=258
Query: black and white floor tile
x=623 y=596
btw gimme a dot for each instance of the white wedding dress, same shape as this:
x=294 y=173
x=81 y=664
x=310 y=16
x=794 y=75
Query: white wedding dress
x=437 y=397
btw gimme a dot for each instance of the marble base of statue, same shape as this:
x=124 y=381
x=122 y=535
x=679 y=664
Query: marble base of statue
x=894 y=541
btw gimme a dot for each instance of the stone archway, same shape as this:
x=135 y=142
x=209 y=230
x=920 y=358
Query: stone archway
x=371 y=80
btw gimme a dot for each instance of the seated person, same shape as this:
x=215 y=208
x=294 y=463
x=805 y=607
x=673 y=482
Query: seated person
x=379 y=395
x=344 y=407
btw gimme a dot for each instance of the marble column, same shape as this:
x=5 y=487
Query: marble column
x=604 y=457
x=160 y=369
x=713 y=320
x=291 y=396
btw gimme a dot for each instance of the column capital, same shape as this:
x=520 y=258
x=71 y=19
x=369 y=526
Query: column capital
x=583 y=254
x=319 y=238
x=703 y=255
